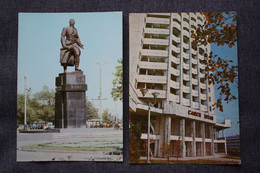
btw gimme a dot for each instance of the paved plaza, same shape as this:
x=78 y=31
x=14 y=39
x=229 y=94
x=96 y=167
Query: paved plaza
x=68 y=136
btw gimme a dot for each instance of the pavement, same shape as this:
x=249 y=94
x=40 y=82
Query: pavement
x=66 y=136
x=219 y=158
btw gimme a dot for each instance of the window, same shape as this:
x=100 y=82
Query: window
x=210 y=108
x=209 y=90
x=210 y=99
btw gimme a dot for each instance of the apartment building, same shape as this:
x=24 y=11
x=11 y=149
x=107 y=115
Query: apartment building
x=163 y=60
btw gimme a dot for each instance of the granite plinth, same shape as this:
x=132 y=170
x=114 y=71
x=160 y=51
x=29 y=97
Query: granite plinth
x=70 y=100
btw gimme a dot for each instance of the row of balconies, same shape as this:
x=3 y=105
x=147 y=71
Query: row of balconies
x=156 y=20
x=152 y=41
x=153 y=65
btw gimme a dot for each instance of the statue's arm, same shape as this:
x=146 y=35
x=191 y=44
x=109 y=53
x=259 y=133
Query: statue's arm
x=63 y=39
x=79 y=42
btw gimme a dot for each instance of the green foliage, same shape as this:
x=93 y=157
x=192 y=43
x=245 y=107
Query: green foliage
x=105 y=116
x=117 y=90
x=134 y=142
x=91 y=111
x=40 y=106
x=219 y=30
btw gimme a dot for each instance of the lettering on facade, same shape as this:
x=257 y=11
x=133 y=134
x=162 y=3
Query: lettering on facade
x=208 y=117
x=194 y=113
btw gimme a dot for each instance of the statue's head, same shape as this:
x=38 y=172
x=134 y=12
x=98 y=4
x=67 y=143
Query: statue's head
x=72 y=22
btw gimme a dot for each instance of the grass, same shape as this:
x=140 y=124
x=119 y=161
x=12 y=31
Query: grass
x=80 y=146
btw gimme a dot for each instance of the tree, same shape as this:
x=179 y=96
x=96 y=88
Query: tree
x=220 y=29
x=105 y=116
x=134 y=142
x=40 y=106
x=117 y=90
x=91 y=111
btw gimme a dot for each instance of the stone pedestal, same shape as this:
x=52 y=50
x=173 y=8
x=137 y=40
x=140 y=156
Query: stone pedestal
x=70 y=100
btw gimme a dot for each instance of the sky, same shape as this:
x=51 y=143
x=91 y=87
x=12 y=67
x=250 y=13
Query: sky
x=39 y=51
x=230 y=110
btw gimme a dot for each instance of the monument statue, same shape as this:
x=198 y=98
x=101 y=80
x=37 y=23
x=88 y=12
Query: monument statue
x=71 y=44
x=71 y=87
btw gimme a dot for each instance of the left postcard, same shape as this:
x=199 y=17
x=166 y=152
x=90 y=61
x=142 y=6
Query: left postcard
x=69 y=93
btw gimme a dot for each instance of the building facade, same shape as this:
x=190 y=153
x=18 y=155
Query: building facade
x=162 y=59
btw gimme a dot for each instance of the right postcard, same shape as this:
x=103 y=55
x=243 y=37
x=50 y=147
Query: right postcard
x=183 y=88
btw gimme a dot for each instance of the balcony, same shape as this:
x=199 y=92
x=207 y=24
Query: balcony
x=202 y=66
x=200 y=22
x=193 y=23
x=186 y=66
x=194 y=81
x=194 y=52
x=186 y=55
x=185 y=45
x=192 y=15
x=203 y=96
x=162 y=93
x=185 y=15
x=175 y=49
x=176 y=16
x=175 y=85
x=160 y=14
x=186 y=77
x=199 y=14
x=174 y=71
x=186 y=102
x=195 y=93
x=203 y=108
x=186 y=33
x=194 y=71
x=152 y=41
x=201 y=57
x=157 y=20
x=202 y=75
x=177 y=39
x=195 y=105
x=177 y=26
x=159 y=53
x=175 y=60
x=152 y=79
x=153 y=65
x=186 y=89
x=194 y=61
x=203 y=86
x=184 y=24
x=156 y=31
x=174 y=98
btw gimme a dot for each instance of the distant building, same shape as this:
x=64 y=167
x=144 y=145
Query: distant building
x=163 y=60
x=233 y=145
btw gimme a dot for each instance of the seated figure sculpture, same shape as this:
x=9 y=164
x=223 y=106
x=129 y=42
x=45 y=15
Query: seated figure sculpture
x=71 y=44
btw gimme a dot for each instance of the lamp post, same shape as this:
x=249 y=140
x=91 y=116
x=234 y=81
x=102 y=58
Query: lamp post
x=150 y=103
x=26 y=91
x=100 y=91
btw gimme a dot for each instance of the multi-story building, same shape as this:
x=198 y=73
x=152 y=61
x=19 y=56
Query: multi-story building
x=163 y=60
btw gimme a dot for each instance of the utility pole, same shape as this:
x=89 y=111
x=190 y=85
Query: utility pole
x=100 y=98
x=25 y=99
x=26 y=91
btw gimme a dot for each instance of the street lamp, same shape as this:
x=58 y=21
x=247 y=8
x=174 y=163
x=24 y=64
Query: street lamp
x=26 y=91
x=150 y=104
x=100 y=91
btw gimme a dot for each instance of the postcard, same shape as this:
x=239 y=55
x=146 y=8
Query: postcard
x=69 y=94
x=183 y=88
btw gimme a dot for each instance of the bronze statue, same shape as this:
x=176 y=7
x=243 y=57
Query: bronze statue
x=71 y=44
